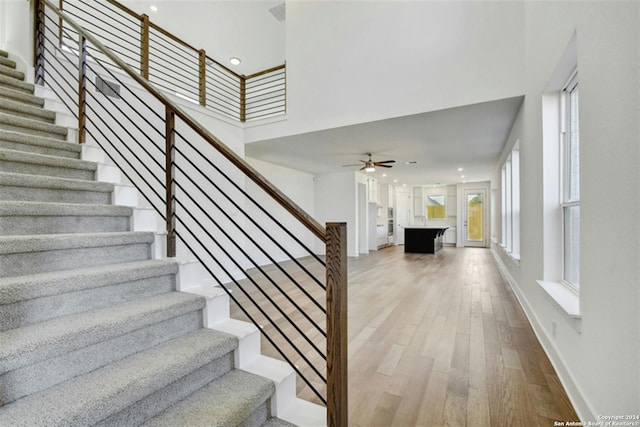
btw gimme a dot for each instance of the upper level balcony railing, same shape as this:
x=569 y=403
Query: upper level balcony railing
x=175 y=65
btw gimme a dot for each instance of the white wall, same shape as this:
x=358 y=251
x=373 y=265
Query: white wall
x=356 y=61
x=336 y=201
x=599 y=366
x=16 y=31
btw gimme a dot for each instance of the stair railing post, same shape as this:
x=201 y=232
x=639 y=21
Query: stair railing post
x=39 y=40
x=170 y=182
x=202 y=76
x=144 y=46
x=60 y=23
x=243 y=99
x=337 y=379
x=82 y=89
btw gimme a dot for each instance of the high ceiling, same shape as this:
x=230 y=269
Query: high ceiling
x=240 y=28
x=469 y=137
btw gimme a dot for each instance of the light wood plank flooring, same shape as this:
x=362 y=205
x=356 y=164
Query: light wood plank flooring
x=434 y=340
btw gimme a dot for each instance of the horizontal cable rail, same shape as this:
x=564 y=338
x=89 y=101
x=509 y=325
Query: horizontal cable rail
x=175 y=65
x=254 y=242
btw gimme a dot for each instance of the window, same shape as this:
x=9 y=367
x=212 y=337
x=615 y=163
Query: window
x=436 y=207
x=570 y=186
x=511 y=203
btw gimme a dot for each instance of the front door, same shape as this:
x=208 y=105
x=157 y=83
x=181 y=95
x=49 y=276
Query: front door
x=474 y=231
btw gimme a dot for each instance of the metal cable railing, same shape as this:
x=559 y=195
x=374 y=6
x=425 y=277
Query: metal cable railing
x=254 y=242
x=175 y=65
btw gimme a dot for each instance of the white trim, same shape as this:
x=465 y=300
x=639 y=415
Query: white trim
x=583 y=408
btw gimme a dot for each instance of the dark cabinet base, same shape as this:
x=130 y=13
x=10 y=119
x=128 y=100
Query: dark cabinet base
x=423 y=240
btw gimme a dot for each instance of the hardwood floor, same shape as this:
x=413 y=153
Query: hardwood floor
x=437 y=340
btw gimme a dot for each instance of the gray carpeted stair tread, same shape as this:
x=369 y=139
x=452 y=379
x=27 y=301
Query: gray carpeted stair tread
x=24 y=187
x=22 y=180
x=18 y=208
x=20 y=96
x=30 y=344
x=53 y=242
x=16 y=84
x=9 y=106
x=23 y=218
x=90 y=398
x=11 y=72
x=7 y=62
x=39 y=145
x=228 y=401
x=27 y=380
x=4 y=53
x=277 y=422
x=21 y=288
x=46 y=160
x=33 y=254
x=38 y=128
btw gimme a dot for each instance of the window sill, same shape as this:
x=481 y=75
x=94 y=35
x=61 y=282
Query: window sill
x=565 y=298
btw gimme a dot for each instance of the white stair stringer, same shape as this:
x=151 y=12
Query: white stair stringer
x=284 y=404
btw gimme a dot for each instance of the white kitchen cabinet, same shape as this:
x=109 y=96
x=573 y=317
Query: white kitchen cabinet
x=450 y=236
x=418 y=201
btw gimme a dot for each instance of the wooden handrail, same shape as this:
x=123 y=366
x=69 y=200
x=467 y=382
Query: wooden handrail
x=267 y=71
x=289 y=205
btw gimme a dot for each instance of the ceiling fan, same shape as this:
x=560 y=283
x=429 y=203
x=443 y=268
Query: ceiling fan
x=370 y=165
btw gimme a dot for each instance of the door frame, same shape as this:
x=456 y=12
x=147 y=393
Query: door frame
x=465 y=218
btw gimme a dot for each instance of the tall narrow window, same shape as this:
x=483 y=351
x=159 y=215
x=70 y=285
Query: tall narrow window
x=570 y=193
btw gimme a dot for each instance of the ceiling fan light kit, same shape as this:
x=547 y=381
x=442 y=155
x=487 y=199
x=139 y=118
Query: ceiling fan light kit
x=370 y=165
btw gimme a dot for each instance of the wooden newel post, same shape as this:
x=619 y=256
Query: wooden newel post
x=170 y=182
x=39 y=40
x=82 y=90
x=337 y=378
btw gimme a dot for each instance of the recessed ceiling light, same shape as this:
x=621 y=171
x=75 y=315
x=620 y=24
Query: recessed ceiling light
x=464 y=182
x=460 y=169
x=235 y=61
x=395 y=180
x=384 y=174
x=404 y=185
x=461 y=176
x=153 y=8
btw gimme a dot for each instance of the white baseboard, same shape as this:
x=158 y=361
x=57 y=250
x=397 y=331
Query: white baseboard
x=583 y=409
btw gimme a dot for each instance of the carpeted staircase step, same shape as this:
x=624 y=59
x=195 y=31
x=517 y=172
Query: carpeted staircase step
x=7 y=62
x=40 y=341
x=238 y=398
x=33 y=298
x=131 y=389
x=21 y=187
x=15 y=84
x=53 y=252
x=19 y=96
x=13 y=161
x=11 y=72
x=21 y=109
x=32 y=127
x=39 y=145
x=124 y=330
x=22 y=218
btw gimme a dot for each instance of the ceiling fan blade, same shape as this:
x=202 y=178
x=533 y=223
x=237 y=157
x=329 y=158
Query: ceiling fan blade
x=363 y=168
x=385 y=161
x=383 y=166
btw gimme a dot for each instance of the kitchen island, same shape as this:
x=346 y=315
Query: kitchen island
x=425 y=240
